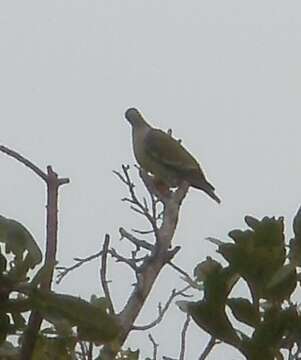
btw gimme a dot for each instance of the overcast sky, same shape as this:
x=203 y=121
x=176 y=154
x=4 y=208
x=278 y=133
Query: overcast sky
x=224 y=75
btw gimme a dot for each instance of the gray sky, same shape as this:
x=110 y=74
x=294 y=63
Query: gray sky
x=224 y=75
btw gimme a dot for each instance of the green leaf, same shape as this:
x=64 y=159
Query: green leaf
x=282 y=284
x=297 y=223
x=295 y=243
x=244 y=311
x=213 y=320
x=93 y=323
x=8 y=351
x=205 y=268
x=258 y=253
x=3 y=263
x=240 y=236
x=19 y=321
x=100 y=302
x=19 y=241
x=58 y=348
x=4 y=327
x=275 y=324
x=252 y=222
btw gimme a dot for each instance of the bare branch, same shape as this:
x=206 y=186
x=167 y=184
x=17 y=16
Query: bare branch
x=183 y=337
x=141 y=208
x=53 y=184
x=155 y=346
x=161 y=310
x=119 y=258
x=90 y=351
x=146 y=245
x=178 y=269
x=103 y=274
x=24 y=161
x=152 y=264
x=139 y=243
x=212 y=342
x=143 y=232
x=83 y=349
x=63 y=271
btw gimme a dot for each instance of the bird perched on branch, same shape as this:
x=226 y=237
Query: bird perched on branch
x=164 y=157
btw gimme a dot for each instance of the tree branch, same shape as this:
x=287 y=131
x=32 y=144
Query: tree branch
x=161 y=310
x=212 y=342
x=132 y=263
x=155 y=346
x=141 y=208
x=53 y=183
x=153 y=264
x=183 y=337
x=103 y=274
x=63 y=271
x=137 y=242
x=24 y=161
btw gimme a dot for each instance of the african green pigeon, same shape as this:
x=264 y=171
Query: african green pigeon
x=164 y=157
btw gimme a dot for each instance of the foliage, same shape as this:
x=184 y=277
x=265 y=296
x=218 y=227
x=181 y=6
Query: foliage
x=257 y=256
x=91 y=320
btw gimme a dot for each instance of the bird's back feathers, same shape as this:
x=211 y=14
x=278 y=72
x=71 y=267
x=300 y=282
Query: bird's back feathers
x=169 y=151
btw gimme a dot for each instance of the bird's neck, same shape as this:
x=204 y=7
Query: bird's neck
x=139 y=132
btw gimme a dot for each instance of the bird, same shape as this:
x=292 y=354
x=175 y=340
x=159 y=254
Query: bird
x=164 y=157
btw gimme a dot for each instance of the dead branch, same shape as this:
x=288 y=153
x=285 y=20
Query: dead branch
x=153 y=264
x=35 y=319
x=137 y=242
x=103 y=274
x=53 y=182
x=143 y=232
x=146 y=245
x=155 y=346
x=162 y=311
x=137 y=205
x=90 y=351
x=212 y=342
x=132 y=263
x=63 y=270
x=24 y=161
x=183 y=337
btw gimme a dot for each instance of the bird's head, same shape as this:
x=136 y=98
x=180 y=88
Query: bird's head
x=134 y=117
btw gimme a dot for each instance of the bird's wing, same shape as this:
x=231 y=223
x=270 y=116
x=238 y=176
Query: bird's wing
x=168 y=151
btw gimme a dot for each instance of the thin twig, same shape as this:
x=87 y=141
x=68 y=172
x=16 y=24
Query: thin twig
x=212 y=342
x=161 y=310
x=82 y=349
x=143 y=232
x=146 y=245
x=119 y=258
x=141 y=208
x=178 y=269
x=183 y=337
x=137 y=242
x=63 y=271
x=24 y=161
x=90 y=351
x=155 y=346
x=103 y=273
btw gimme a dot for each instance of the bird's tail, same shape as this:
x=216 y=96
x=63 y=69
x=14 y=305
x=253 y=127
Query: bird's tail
x=204 y=185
